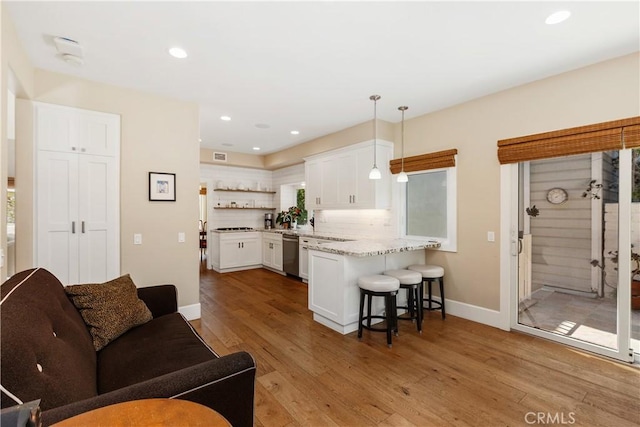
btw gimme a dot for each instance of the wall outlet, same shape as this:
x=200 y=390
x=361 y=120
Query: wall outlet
x=137 y=239
x=491 y=236
x=181 y=237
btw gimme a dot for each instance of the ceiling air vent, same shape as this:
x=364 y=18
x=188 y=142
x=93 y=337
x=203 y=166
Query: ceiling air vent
x=219 y=157
x=69 y=50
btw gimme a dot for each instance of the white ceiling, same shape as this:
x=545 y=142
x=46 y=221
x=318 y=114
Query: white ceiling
x=311 y=66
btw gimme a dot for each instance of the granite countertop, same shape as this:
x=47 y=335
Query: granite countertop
x=374 y=247
x=213 y=230
x=312 y=233
x=351 y=245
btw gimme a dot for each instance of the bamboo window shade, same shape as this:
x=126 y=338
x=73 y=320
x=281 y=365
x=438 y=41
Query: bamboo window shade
x=614 y=135
x=437 y=160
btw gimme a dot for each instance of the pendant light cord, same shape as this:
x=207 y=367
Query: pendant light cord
x=402 y=168
x=375 y=98
x=403 y=109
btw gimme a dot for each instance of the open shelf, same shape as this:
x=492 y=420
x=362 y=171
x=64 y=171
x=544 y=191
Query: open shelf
x=244 y=209
x=246 y=191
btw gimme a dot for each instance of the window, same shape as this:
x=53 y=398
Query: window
x=429 y=207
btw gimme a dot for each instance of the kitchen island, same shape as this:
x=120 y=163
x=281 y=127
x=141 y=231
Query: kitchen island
x=334 y=269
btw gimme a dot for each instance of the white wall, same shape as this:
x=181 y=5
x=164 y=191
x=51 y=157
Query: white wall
x=234 y=177
x=286 y=181
x=157 y=134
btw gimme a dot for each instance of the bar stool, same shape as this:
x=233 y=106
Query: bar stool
x=379 y=286
x=431 y=273
x=412 y=282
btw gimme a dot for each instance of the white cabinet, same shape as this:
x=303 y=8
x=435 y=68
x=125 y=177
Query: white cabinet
x=71 y=130
x=333 y=293
x=313 y=193
x=339 y=179
x=304 y=254
x=77 y=194
x=272 y=251
x=237 y=251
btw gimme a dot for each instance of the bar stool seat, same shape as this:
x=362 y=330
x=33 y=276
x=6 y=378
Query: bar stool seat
x=412 y=282
x=430 y=274
x=378 y=285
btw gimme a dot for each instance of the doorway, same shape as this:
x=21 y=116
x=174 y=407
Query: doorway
x=574 y=237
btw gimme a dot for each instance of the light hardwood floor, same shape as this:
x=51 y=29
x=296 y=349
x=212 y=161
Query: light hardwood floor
x=456 y=373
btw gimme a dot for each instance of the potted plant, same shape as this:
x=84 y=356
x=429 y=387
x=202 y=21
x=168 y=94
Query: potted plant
x=283 y=219
x=290 y=216
x=635 y=277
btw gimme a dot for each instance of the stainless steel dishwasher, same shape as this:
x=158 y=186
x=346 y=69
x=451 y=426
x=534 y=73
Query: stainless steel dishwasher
x=290 y=257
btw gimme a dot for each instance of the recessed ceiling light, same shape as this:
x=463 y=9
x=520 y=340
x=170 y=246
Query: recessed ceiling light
x=557 y=17
x=225 y=118
x=262 y=126
x=295 y=132
x=256 y=148
x=178 y=52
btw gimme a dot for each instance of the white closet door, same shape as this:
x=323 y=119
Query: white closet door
x=56 y=128
x=99 y=133
x=98 y=213
x=57 y=207
x=77 y=193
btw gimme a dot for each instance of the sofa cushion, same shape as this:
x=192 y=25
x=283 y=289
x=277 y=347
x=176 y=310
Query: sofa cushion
x=109 y=309
x=163 y=345
x=47 y=352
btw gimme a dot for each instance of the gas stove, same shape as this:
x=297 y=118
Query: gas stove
x=234 y=229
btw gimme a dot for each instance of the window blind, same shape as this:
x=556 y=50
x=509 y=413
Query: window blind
x=613 y=135
x=631 y=136
x=437 y=160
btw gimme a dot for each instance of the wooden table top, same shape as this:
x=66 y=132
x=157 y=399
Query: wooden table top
x=148 y=413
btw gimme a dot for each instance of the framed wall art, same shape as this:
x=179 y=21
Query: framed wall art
x=162 y=187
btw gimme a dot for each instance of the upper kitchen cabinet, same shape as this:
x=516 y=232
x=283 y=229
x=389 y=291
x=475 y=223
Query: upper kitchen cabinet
x=69 y=130
x=339 y=179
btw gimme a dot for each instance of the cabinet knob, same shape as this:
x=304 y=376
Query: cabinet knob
x=83 y=149
x=73 y=148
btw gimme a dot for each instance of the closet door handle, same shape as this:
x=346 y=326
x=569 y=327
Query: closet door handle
x=82 y=227
x=73 y=227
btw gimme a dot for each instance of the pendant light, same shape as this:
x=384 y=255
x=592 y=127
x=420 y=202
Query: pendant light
x=375 y=172
x=402 y=176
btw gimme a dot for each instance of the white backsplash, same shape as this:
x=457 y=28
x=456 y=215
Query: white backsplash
x=365 y=223
x=234 y=177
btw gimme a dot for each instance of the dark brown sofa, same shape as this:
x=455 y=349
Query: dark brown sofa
x=47 y=354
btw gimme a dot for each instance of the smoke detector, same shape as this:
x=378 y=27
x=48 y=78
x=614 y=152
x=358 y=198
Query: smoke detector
x=69 y=50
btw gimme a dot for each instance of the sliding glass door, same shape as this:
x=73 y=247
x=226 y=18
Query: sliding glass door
x=576 y=236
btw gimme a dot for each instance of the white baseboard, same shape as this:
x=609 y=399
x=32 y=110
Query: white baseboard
x=473 y=313
x=191 y=312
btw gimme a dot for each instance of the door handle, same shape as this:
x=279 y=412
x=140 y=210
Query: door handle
x=242 y=244
x=73 y=227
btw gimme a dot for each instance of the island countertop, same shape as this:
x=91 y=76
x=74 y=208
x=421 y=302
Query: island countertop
x=374 y=247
